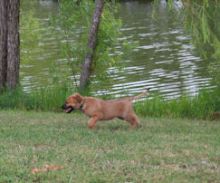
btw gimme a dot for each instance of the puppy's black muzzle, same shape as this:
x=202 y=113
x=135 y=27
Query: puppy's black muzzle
x=67 y=109
x=63 y=106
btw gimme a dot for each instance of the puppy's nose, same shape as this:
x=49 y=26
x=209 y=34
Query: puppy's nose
x=63 y=106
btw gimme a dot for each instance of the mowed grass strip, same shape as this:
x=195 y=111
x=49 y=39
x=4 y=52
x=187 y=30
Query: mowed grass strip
x=162 y=150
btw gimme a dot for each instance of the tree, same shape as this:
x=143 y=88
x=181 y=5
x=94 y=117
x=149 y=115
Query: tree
x=9 y=43
x=3 y=43
x=201 y=20
x=76 y=20
x=92 y=42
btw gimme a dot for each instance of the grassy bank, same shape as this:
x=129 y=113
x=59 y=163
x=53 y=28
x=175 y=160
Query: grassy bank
x=50 y=99
x=45 y=99
x=201 y=106
x=162 y=150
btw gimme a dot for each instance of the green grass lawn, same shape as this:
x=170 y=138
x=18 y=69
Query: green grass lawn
x=162 y=150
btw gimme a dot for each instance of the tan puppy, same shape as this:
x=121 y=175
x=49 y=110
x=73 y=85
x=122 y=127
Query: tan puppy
x=98 y=109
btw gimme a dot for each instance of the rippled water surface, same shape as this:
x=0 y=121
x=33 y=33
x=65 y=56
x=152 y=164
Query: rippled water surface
x=163 y=60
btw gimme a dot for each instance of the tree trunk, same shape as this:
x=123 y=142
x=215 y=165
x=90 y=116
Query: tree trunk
x=9 y=43
x=13 y=44
x=86 y=69
x=3 y=43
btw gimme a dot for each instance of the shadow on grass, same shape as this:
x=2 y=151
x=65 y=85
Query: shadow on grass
x=112 y=125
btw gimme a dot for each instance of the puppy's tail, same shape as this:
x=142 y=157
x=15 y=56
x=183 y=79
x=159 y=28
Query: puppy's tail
x=144 y=93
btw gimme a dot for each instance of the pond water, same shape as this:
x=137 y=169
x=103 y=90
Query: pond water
x=164 y=59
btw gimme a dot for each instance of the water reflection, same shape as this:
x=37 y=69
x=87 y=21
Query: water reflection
x=164 y=59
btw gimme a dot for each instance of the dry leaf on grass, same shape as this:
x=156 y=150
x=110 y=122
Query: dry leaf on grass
x=46 y=168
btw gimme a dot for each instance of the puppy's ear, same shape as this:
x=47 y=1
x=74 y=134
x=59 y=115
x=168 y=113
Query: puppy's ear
x=78 y=97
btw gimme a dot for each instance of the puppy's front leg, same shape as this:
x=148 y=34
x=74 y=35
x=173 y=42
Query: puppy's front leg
x=92 y=121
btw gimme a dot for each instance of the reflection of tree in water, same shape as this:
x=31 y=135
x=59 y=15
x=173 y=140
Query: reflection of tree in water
x=202 y=20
